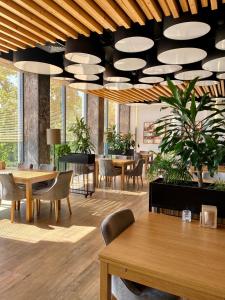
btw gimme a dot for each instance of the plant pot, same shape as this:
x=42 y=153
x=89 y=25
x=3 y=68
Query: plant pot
x=115 y=152
x=185 y=196
x=78 y=158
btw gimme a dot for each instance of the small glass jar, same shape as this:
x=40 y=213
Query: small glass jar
x=186 y=215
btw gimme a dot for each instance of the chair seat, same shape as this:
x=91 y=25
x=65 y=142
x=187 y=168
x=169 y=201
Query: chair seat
x=40 y=191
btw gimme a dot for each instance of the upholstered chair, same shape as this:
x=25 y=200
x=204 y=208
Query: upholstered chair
x=136 y=172
x=107 y=169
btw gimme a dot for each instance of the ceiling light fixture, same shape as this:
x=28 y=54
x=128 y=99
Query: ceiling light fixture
x=191 y=74
x=150 y=79
x=87 y=77
x=220 y=38
x=113 y=75
x=142 y=86
x=206 y=82
x=174 y=81
x=117 y=86
x=83 y=69
x=128 y=62
x=214 y=62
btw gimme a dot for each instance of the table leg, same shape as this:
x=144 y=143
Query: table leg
x=96 y=175
x=105 y=282
x=122 y=177
x=133 y=176
x=29 y=210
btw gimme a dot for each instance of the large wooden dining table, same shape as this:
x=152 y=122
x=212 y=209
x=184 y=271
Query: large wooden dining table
x=162 y=252
x=28 y=177
x=122 y=163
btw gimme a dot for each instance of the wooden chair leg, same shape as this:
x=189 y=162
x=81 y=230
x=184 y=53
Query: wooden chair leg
x=69 y=206
x=18 y=205
x=113 y=297
x=56 y=210
x=137 y=183
x=13 y=207
x=59 y=204
x=142 y=181
x=38 y=206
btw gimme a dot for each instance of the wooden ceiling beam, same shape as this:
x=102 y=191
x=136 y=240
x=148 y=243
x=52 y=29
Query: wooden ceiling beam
x=219 y=89
x=43 y=14
x=8 y=45
x=131 y=8
x=12 y=34
x=145 y=9
x=193 y=6
x=154 y=9
x=215 y=90
x=204 y=3
x=112 y=9
x=61 y=14
x=25 y=15
x=78 y=13
x=184 y=5
x=164 y=7
x=97 y=13
x=12 y=41
x=4 y=49
x=21 y=31
x=214 y=4
x=6 y=14
x=173 y=8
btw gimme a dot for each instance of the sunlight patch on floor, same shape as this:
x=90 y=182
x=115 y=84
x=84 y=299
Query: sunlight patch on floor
x=34 y=234
x=132 y=193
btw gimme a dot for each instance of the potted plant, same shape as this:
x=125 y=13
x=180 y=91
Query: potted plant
x=81 y=147
x=194 y=142
x=61 y=150
x=128 y=144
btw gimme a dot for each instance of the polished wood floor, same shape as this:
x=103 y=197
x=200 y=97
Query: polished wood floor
x=44 y=260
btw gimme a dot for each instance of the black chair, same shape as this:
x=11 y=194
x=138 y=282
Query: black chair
x=122 y=289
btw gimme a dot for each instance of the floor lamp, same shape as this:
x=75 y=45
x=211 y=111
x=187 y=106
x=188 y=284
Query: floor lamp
x=53 y=138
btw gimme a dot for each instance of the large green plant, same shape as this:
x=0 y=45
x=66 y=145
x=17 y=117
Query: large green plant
x=82 y=139
x=198 y=143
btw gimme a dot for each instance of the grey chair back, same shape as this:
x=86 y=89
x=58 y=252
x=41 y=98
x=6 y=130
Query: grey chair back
x=25 y=166
x=116 y=223
x=47 y=167
x=139 y=167
x=10 y=191
x=106 y=167
x=137 y=156
x=61 y=187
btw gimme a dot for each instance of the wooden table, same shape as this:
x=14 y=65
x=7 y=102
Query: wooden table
x=28 y=177
x=122 y=163
x=162 y=252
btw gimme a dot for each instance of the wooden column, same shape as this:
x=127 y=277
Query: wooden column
x=95 y=119
x=124 y=117
x=36 y=118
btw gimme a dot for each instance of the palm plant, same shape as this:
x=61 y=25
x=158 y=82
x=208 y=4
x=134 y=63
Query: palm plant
x=198 y=142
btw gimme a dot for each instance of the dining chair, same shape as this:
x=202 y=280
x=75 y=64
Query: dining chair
x=47 y=183
x=111 y=227
x=59 y=190
x=107 y=170
x=25 y=166
x=136 y=171
x=47 y=167
x=11 y=192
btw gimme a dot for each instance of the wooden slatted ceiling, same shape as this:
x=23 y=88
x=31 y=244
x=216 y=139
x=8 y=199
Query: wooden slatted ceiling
x=24 y=23
x=152 y=95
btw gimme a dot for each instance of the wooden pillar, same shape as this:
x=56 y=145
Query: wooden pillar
x=124 y=117
x=36 y=118
x=95 y=120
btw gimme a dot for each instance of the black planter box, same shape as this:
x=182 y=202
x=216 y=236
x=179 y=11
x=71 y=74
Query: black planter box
x=78 y=158
x=180 y=197
x=129 y=152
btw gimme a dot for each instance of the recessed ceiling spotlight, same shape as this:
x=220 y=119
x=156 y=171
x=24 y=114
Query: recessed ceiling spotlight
x=150 y=79
x=180 y=53
x=214 y=62
x=84 y=50
x=38 y=61
x=184 y=28
x=143 y=86
x=87 y=77
x=161 y=69
x=128 y=62
x=116 y=86
x=133 y=40
x=191 y=74
x=174 y=81
x=206 y=82
x=83 y=69
x=113 y=75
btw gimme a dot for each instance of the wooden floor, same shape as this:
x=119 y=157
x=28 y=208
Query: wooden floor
x=45 y=261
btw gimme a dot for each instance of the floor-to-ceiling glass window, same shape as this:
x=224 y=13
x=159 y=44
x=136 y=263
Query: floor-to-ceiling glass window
x=55 y=104
x=10 y=122
x=111 y=113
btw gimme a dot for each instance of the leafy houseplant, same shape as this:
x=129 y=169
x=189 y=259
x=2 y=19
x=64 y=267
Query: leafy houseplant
x=82 y=139
x=197 y=143
x=61 y=150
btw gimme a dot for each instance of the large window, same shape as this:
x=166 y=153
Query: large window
x=73 y=109
x=55 y=104
x=111 y=113
x=10 y=121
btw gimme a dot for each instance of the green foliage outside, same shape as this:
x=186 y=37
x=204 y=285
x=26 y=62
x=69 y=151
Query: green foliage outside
x=81 y=137
x=196 y=143
x=219 y=185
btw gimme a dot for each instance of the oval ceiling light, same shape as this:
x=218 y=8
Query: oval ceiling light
x=85 y=86
x=113 y=75
x=220 y=76
x=128 y=62
x=184 y=28
x=133 y=40
x=206 y=82
x=161 y=69
x=38 y=61
x=87 y=77
x=220 y=38
x=118 y=86
x=64 y=76
x=151 y=79
x=83 y=69
x=179 y=53
x=174 y=81
x=84 y=50
x=214 y=62
x=192 y=74
x=143 y=86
